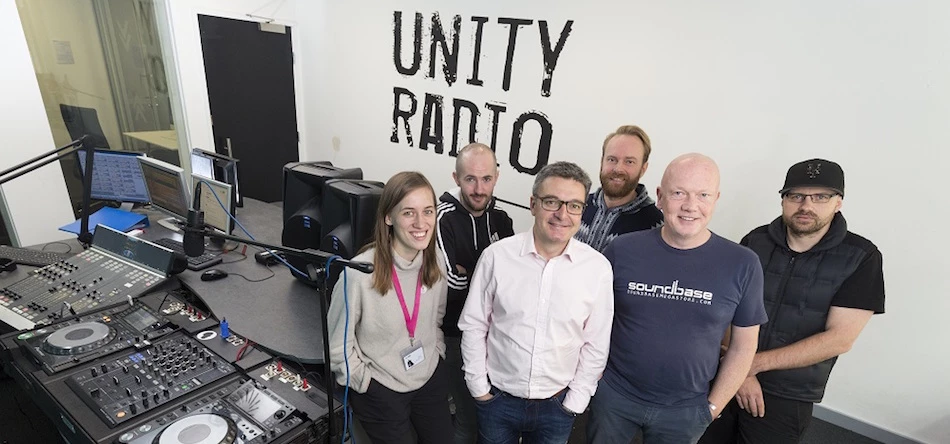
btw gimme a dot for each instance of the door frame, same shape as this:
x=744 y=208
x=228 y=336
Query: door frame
x=180 y=27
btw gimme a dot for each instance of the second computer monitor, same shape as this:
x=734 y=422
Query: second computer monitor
x=116 y=176
x=218 y=167
x=167 y=187
x=216 y=215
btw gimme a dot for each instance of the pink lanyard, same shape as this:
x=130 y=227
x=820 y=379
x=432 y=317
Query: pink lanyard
x=410 y=321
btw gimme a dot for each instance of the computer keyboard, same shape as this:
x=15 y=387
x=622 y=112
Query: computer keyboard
x=35 y=258
x=206 y=260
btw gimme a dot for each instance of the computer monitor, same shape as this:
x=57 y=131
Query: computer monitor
x=83 y=121
x=303 y=198
x=167 y=188
x=218 y=167
x=349 y=215
x=216 y=215
x=116 y=176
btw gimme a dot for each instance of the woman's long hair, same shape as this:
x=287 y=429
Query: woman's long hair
x=396 y=189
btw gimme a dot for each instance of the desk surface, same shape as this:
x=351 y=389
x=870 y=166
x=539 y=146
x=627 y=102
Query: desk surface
x=280 y=313
x=164 y=138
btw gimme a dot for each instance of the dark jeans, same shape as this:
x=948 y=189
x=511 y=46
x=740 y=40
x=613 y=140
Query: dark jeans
x=504 y=419
x=614 y=418
x=386 y=415
x=465 y=422
x=784 y=422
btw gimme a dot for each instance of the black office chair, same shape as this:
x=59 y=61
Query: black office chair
x=81 y=121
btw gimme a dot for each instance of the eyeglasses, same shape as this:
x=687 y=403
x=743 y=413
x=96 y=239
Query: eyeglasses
x=818 y=198
x=554 y=204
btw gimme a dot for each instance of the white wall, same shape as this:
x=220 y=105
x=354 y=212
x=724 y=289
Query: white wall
x=36 y=204
x=756 y=85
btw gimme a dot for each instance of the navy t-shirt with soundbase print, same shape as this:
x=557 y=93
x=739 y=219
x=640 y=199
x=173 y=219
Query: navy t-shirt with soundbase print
x=671 y=309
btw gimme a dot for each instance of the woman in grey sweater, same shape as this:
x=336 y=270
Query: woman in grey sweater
x=391 y=322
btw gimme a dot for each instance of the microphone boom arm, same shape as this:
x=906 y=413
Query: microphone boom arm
x=85 y=237
x=308 y=254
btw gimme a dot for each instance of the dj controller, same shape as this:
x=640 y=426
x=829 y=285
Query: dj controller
x=69 y=343
x=132 y=385
x=158 y=371
x=117 y=268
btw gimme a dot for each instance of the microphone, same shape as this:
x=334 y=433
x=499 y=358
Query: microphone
x=194 y=237
x=365 y=267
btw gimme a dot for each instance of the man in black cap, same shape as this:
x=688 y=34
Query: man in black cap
x=822 y=284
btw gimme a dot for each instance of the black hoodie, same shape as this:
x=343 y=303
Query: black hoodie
x=461 y=239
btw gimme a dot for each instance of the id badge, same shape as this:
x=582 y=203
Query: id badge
x=412 y=356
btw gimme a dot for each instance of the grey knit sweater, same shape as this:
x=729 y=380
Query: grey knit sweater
x=377 y=328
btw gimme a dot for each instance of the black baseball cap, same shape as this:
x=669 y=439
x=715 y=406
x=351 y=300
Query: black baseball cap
x=815 y=173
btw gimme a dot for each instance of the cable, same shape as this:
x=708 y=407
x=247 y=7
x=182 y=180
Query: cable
x=272 y=274
x=163 y=300
x=291 y=267
x=69 y=248
x=240 y=353
x=236 y=260
x=19 y=407
x=347 y=414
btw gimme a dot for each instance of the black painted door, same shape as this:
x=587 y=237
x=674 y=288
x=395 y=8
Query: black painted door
x=251 y=93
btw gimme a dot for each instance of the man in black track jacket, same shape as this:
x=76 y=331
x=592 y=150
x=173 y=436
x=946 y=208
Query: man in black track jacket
x=822 y=284
x=468 y=222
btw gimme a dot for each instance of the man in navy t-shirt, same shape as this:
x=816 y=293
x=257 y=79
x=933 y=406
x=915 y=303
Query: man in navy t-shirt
x=676 y=291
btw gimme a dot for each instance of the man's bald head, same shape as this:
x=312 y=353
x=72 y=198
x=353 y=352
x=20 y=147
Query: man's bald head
x=687 y=195
x=692 y=163
x=473 y=150
x=476 y=172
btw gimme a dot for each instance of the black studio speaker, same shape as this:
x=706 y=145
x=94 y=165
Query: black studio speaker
x=303 y=193
x=349 y=215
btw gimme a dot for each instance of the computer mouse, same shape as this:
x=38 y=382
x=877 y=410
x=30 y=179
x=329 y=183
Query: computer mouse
x=213 y=275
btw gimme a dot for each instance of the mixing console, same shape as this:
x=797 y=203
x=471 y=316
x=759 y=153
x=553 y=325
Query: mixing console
x=121 y=389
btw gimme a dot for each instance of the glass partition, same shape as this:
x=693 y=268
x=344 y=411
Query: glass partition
x=101 y=71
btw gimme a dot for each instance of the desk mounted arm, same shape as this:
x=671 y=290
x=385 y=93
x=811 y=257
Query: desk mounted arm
x=85 y=237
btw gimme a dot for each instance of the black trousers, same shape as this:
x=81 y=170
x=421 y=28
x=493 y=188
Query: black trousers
x=784 y=422
x=388 y=416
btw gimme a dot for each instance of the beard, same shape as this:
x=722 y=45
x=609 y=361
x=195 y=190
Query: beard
x=799 y=228
x=616 y=191
x=467 y=200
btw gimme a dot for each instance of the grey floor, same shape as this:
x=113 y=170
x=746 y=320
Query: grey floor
x=819 y=432
x=21 y=422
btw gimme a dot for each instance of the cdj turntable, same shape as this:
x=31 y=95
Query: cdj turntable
x=240 y=413
x=125 y=387
x=73 y=342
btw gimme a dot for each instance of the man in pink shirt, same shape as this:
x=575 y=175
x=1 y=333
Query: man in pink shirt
x=536 y=325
